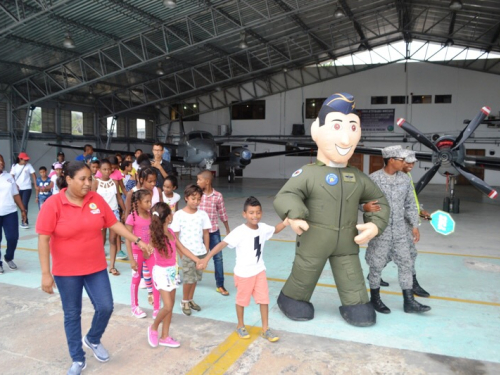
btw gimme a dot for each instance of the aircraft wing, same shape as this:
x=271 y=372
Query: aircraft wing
x=483 y=162
x=261 y=155
x=101 y=150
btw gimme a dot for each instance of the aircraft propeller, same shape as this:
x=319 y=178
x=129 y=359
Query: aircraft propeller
x=449 y=152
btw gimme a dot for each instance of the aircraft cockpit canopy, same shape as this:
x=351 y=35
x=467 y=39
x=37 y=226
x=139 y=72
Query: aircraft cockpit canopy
x=199 y=135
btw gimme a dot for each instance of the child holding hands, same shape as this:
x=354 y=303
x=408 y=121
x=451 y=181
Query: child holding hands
x=191 y=228
x=250 y=271
x=165 y=271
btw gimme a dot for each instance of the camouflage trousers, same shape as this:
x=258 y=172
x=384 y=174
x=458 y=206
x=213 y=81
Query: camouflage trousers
x=413 y=249
x=392 y=245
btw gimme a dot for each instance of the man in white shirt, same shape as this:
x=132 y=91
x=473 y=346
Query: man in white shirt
x=21 y=173
x=9 y=201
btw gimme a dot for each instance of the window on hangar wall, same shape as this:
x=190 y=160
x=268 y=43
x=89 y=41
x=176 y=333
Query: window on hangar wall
x=421 y=99
x=442 y=99
x=36 y=121
x=254 y=110
x=379 y=100
x=188 y=111
x=141 y=128
x=109 y=120
x=313 y=106
x=76 y=123
x=401 y=99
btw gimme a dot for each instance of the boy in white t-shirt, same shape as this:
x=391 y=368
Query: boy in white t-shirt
x=250 y=271
x=191 y=227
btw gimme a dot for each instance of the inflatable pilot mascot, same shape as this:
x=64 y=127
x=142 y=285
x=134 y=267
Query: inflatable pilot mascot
x=321 y=202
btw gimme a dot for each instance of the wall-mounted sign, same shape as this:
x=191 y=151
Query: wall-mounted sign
x=377 y=120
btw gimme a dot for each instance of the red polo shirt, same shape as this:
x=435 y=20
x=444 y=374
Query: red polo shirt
x=76 y=242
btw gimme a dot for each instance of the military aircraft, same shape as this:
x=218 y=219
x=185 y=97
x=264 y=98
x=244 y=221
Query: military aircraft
x=199 y=148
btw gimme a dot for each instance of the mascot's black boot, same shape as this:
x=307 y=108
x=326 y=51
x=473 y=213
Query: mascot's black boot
x=377 y=303
x=410 y=305
x=295 y=310
x=359 y=315
x=418 y=290
x=382 y=282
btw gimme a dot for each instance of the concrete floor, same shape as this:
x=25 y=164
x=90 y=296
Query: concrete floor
x=459 y=336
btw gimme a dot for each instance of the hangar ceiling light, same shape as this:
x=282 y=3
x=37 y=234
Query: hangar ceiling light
x=243 y=40
x=456 y=5
x=339 y=12
x=160 y=70
x=68 y=41
x=170 y=4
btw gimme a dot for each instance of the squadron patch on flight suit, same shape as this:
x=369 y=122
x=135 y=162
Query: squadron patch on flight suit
x=297 y=172
x=348 y=177
x=331 y=179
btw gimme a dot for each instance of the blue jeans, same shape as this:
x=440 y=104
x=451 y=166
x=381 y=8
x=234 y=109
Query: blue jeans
x=98 y=289
x=9 y=225
x=218 y=260
x=25 y=197
x=42 y=199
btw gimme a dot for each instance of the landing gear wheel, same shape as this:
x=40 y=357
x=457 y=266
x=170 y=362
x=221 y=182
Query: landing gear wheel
x=446 y=204
x=230 y=177
x=455 y=206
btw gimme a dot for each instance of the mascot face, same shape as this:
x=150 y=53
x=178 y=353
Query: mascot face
x=337 y=138
x=337 y=130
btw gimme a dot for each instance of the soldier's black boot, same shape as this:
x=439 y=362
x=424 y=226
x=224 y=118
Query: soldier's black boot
x=418 y=290
x=377 y=303
x=382 y=282
x=410 y=305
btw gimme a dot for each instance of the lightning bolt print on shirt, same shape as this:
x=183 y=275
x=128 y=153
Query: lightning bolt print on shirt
x=256 y=245
x=249 y=244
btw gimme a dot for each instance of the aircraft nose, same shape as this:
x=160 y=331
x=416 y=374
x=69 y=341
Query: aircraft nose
x=246 y=154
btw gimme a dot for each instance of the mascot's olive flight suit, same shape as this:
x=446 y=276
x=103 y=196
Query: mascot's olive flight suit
x=327 y=198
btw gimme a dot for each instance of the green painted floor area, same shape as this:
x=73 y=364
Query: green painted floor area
x=463 y=279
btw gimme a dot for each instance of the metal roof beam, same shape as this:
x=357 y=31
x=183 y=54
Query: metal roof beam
x=355 y=23
x=179 y=84
x=23 y=17
x=117 y=58
x=304 y=27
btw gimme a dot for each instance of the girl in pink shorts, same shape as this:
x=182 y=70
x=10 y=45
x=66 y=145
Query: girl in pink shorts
x=165 y=271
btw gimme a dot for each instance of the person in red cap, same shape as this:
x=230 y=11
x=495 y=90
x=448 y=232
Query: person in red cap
x=21 y=173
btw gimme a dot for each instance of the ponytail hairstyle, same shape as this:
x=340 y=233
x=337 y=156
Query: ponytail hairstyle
x=159 y=213
x=138 y=196
x=69 y=169
x=144 y=173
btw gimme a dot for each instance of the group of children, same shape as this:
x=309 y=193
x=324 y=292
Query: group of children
x=187 y=232
x=152 y=214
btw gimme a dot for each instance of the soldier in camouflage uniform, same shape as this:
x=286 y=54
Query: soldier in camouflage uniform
x=321 y=202
x=408 y=166
x=393 y=243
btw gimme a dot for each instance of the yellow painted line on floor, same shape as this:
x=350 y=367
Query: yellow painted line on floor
x=382 y=291
x=459 y=255
x=362 y=247
x=223 y=356
x=424 y=252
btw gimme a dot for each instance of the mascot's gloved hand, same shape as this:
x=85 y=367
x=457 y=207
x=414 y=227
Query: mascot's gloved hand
x=299 y=226
x=368 y=231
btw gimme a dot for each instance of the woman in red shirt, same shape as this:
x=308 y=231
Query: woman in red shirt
x=69 y=228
